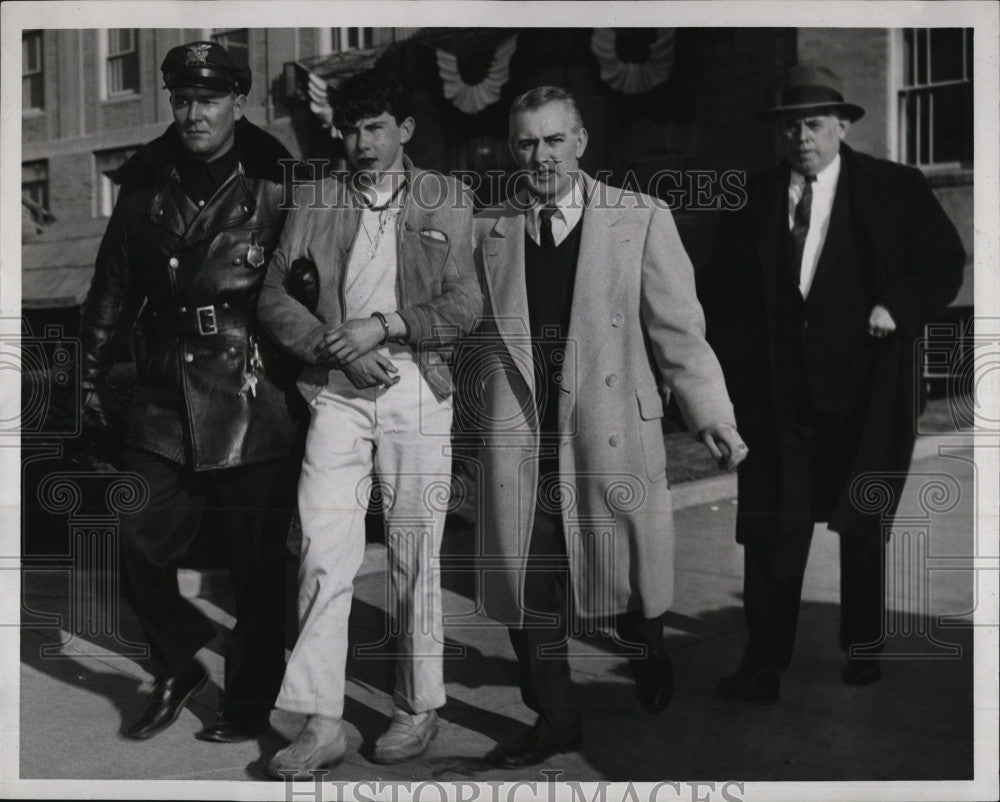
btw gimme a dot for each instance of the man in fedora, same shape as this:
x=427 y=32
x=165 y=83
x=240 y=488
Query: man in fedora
x=818 y=288
x=183 y=259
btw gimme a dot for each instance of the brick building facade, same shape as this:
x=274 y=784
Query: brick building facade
x=93 y=95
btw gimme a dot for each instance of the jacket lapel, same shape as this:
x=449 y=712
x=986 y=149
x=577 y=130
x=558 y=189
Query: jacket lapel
x=837 y=233
x=608 y=228
x=503 y=259
x=232 y=205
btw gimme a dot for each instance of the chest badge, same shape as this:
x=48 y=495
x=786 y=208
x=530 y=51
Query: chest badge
x=255 y=256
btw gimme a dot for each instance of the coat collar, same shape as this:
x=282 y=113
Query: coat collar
x=607 y=227
x=259 y=153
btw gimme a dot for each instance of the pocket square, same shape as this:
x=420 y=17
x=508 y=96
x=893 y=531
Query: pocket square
x=434 y=234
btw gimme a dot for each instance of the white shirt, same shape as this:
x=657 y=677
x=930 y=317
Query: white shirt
x=824 y=188
x=569 y=210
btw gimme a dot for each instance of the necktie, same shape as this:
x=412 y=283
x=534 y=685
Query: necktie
x=545 y=215
x=800 y=225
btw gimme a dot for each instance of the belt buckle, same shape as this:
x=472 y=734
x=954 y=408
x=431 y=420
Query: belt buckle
x=206 y=320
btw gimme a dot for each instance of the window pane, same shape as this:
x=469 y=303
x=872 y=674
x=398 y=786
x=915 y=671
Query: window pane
x=120 y=40
x=951 y=120
x=946 y=54
x=34 y=171
x=924 y=129
x=908 y=55
x=921 y=56
x=33 y=92
x=968 y=53
x=31 y=52
x=910 y=145
x=130 y=72
x=352 y=38
x=335 y=43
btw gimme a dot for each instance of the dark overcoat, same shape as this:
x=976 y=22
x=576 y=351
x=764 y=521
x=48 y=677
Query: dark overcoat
x=911 y=261
x=162 y=260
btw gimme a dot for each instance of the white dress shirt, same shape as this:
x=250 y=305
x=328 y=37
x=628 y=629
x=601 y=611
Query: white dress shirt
x=569 y=210
x=824 y=188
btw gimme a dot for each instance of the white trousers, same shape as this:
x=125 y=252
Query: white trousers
x=401 y=434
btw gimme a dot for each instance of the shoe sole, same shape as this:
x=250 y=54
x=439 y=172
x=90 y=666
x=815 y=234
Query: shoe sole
x=387 y=757
x=187 y=698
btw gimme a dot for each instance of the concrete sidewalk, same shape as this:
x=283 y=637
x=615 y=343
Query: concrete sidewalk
x=916 y=724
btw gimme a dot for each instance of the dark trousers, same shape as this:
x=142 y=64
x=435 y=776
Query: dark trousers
x=542 y=644
x=817 y=455
x=253 y=506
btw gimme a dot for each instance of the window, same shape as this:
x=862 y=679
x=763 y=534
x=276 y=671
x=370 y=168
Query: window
x=105 y=163
x=32 y=71
x=236 y=41
x=35 y=190
x=122 y=62
x=352 y=38
x=935 y=100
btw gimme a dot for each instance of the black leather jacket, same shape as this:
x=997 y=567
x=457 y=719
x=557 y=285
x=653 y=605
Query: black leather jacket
x=188 y=278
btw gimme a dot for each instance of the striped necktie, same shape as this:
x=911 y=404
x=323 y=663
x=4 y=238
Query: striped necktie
x=800 y=225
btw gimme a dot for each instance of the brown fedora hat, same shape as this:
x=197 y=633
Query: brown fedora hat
x=810 y=86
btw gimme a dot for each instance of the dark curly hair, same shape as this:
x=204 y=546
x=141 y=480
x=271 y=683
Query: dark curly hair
x=369 y=94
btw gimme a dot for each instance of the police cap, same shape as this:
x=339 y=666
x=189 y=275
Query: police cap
x=206 y=64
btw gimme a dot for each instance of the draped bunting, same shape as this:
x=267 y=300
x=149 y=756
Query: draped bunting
x=633 y=77
x=474 y=98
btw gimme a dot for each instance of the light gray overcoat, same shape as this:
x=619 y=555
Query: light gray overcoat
x=636 y=335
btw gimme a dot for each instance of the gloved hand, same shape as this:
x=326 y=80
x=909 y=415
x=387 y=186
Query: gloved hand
x=92 y=410
x=302 y=283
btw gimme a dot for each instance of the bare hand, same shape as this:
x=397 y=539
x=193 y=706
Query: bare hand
x=371 y=370
x=725 y=444
x=348 y=342
x=880 y=322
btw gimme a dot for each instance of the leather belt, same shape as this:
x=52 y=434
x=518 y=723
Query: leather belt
x=201 y=321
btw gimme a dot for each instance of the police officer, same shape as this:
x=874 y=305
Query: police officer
x=183 y=258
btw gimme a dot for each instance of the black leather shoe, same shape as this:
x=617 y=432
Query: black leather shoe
x=166 y=701
x=862 y=672
x=530 y=750
x=751 y=685
x=654 y=679
x=225 y=731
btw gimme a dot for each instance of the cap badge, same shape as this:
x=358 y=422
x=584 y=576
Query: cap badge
x=197 y=54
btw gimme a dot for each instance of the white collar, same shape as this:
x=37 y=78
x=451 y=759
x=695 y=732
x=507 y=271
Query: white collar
x=825 y=178
x=569 y=205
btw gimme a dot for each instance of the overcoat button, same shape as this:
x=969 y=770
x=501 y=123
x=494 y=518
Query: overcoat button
x=174 y=262
x=617 y=320
x=246 y=208
x=183 y=309
x=189 y=357
x=201 y=203
x=612 y=379
x=225 y=306
x=238 y=260
x=615 y=440
x=232 y=351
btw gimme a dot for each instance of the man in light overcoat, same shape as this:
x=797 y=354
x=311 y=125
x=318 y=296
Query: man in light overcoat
x=591 y=323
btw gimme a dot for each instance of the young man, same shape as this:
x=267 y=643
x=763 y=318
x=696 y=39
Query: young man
x=185 y=253
x=818 y=291
x=391 y=248
x=590 y=310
